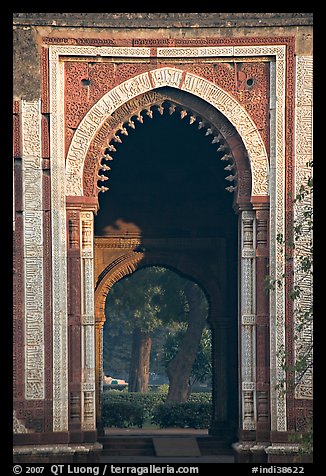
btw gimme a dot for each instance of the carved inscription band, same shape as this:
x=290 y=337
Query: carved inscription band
x=33 y=250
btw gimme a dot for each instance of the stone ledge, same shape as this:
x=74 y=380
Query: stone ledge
x=279 y=453
x=259 y=447
x=287 y=453
x=276 y=449
x=56 y=449
x=168 y=20
x=244 y=446
x=59 y=453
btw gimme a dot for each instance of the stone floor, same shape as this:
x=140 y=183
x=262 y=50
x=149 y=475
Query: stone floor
x=168 y=460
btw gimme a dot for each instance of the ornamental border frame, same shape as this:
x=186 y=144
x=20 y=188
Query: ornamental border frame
x=58 y=207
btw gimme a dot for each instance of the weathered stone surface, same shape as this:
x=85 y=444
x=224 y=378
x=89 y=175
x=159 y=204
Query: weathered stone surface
x=26 y=67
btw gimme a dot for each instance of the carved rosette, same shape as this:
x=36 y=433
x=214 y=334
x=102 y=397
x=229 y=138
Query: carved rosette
x=248 y=320
x=88 y=322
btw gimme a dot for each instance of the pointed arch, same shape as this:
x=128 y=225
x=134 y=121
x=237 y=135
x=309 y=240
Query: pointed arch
x=175 y=78
x=132 y=261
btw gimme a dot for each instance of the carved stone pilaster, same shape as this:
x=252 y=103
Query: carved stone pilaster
x=262 y=322
x=88 y=321
x=99 y=370
x=87 y=233
x=74 y=407
x=248 y=410
x=73 y=229
x=248 y=320
x=262 y=407
x=74 y=313
x=261 y=222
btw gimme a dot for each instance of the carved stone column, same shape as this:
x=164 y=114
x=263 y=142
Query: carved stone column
x=220 y=422
x=74 y=321
x=81 y=336
x=88 y=322
x=248 y=416
x=262 y=324
x=99 y=371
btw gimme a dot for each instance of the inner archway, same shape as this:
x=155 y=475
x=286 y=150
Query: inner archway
x=156 y=320
x=168 y=204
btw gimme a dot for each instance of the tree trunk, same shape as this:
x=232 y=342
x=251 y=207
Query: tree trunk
x=179 y=368
x=139 y=365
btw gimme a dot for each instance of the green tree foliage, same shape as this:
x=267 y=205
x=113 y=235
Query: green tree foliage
x=147 y=300
x=140 y=305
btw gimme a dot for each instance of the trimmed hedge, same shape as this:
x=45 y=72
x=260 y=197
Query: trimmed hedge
x=183 y=415
x=123 y=414
x=201 y=397
x=122 y=409
x=146 y=400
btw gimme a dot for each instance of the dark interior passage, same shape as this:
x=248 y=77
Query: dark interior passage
x=166 y=179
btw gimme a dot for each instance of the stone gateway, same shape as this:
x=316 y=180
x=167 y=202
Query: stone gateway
x=94 y=94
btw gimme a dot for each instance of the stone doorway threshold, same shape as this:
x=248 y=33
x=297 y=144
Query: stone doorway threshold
x=155 y=432
x=171 y=445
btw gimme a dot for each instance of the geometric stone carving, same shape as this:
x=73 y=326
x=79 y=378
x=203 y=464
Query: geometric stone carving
x=277 y=220
x=18 y=426
x=248 y=386
x=195 y=52
x=59 y=252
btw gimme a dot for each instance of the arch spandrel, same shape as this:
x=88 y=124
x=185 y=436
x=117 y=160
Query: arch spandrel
x=172 y=77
